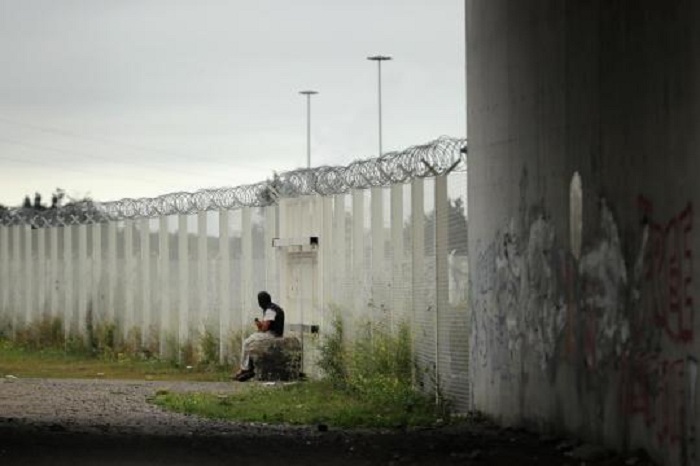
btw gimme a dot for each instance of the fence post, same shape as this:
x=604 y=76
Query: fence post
x=112 y=272
x=41 y=273
x=441 y=267
x=418 y=254
x=83 y=280
x=28 y=277
x=145 y=231
x=129 y=271
x=224 y=286
x=68 y=279
x=283 y=221
x=378 y=267
x=97 y=304
x=183 y=285
x=166 y=315
x=397 y=279
x=53 y=275
x=201 y=294
x=5 y=285
x=358 y=251
x=339 y=270
x=271 y=271
x=326 y=259
x=247 y=268
x=16 y=280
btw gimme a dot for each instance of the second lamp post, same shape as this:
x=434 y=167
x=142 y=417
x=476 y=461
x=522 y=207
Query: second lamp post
x=308 y=95
x=379 y=59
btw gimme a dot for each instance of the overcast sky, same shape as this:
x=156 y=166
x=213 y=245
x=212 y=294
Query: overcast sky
x=134 y=98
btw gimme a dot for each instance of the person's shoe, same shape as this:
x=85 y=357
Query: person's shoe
x=244 y=376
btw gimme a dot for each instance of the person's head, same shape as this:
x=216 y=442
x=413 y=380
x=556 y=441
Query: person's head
x=264 y=299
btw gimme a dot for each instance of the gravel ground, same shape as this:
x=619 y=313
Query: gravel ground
x=95 y=422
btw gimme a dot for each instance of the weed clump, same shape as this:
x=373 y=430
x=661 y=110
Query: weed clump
x=209 y=348
x=333 y=359
x=46 y=332
x=377 y=366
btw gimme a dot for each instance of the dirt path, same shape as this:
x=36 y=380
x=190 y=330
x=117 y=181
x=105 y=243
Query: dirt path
x=81 y=422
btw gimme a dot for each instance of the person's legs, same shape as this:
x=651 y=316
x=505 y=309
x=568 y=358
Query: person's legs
x=245 y=351
x=246 y=363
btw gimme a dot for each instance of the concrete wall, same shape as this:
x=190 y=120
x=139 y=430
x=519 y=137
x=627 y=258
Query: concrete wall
x=586 y=323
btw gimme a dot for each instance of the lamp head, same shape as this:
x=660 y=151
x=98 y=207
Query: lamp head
x=379 y=58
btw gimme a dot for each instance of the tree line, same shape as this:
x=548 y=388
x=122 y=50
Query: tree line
x=79 y=210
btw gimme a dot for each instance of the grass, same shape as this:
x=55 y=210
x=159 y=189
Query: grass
x=368 y=381
x=54 y=363
x=304 y=403
x=42 y=349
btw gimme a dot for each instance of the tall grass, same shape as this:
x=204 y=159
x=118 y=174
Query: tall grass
x=103 y=340
x=47 y=332
x=376 y=366
x=208 y=348
x=333 y=355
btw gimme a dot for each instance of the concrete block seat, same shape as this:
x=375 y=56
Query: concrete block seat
x=277 y=359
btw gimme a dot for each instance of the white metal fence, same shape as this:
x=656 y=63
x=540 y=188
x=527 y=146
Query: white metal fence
x=387 y=253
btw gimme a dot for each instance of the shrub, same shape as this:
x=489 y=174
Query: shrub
x=377 y=366
x=380 y=365
x=106 y=340
x=332 y=360
x=209 y=348
x=188 y=356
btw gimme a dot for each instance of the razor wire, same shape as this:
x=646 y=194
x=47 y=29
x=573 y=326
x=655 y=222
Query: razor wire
x=438 y=157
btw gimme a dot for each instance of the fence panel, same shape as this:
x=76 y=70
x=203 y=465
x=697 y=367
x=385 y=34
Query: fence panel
x=260 y=251
x=53 y=272
x=424 y=273
x=5 y=319
x=224 y=303
x=68 y=280
x=112 y=260
x=236 y=246
x=96 y=307
x=16 y=276
x=183 y=259
x=165 y=314
x=40 y=272
x=28 y=278
x=453 y=330
x=201 y=298
x=248 y=311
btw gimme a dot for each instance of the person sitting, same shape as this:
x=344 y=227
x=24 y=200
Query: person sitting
x=271 y=326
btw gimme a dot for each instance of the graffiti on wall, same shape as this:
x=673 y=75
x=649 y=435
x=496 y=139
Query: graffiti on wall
x=517 y=300
x=658 y=375
x=602 y=282
x=654 y=390
x=669 y=271
x=536 y=305
x=545 y=310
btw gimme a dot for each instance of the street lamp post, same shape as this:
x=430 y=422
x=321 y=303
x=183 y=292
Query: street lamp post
x=308 y=95
x=379 y=59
